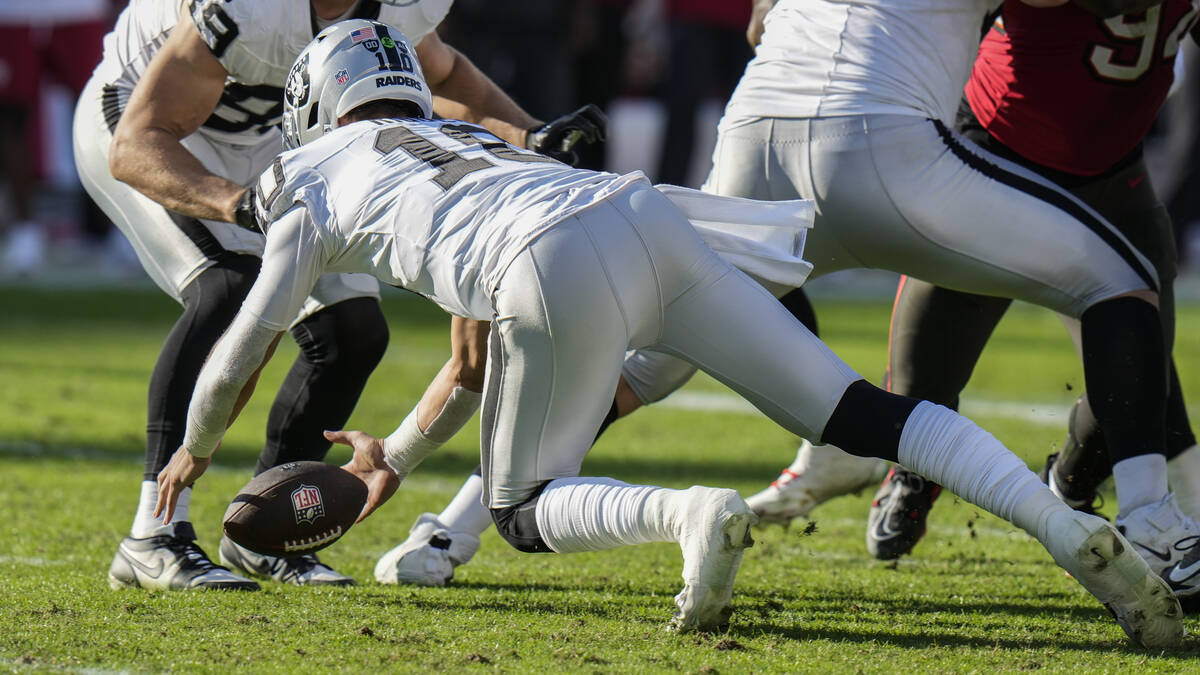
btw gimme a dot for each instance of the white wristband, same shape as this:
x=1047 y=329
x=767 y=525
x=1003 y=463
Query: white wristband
x=408 y=446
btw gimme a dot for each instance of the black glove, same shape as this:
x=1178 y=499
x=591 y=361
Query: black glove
x=556 y=138
x=246 y=211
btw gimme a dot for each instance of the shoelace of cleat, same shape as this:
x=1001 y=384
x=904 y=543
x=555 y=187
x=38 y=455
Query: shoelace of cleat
x=191 y=552
x=915 y=485
x=294 y=568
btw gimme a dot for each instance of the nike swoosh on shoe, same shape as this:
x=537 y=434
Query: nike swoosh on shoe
x=152 y=572
x=1179 y=574
x=1163 y=556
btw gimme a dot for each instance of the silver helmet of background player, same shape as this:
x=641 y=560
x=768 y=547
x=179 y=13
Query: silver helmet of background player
x=348 y=64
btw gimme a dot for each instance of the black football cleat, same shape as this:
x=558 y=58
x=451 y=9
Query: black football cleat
x=171 y=562
x=1085 y=504
x=304 y=570
x=897 y=518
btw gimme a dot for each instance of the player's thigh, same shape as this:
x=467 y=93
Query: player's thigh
x=554 y=358
x=1128 y=200
x=770 y=159
x=654 y=375
x=168 y=254
x=736 y=331
x=917 y=199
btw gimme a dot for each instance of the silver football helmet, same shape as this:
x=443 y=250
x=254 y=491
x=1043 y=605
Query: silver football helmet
x=348 y=64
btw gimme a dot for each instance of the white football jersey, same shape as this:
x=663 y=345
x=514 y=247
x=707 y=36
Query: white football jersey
x=827 y=58
x=255 y=40
x=439 y=207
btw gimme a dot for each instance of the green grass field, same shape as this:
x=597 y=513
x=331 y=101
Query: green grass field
x=978 y=596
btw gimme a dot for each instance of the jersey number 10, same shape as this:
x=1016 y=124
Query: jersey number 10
x=1145 y=30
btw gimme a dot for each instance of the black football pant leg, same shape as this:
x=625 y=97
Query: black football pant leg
x=1083 y=460
x=209 y=304
x=936 y=338
x=339 y=348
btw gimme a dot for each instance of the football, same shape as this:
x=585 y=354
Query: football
x=295 y=508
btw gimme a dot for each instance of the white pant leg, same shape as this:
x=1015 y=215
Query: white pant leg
x=898 y=193
x=555 y=353
x=172 y=249
x=734 y=329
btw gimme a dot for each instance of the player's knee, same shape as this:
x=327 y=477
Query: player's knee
x=1145 y=295
x=518 y=526
x=352 y=334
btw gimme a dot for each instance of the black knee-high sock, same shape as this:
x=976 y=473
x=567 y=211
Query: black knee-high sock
x=339 y=347
x=1083 y=460
x=1125 y=368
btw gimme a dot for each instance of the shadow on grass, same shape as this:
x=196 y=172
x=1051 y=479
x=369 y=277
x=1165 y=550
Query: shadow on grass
x=928 y=623
x=453 y=464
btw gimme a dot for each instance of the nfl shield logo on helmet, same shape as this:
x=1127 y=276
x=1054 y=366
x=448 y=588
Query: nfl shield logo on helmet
x=342 y=76
x=306 y=502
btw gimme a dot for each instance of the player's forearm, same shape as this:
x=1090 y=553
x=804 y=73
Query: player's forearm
x=467 y=94
x=153 y=162
x=226 y=375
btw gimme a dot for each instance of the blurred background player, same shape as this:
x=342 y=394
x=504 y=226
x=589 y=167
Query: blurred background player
x=59 y=42
x=182 y=114
x=576 y=267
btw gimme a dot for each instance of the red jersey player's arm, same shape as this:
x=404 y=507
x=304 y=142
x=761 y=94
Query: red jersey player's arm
x=178 y=92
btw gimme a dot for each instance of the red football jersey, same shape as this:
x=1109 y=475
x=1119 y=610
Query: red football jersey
x=1072 y=91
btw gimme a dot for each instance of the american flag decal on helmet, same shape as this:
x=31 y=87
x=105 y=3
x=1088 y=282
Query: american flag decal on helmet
x=306 y=502
x=364 y=33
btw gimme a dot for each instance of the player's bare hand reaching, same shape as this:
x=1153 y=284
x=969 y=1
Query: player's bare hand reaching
x=368 y=465
x=183 y=470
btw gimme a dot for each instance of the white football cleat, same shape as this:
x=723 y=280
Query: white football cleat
x=429 y=555
x=171 y=562
x=1169 y=542
x=1105 y=564
x=820 y=473
x=304 y=570
x=716 y=532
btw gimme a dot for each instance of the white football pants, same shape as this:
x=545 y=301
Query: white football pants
x=174 y=250
x=905 y=194
x=631 y=272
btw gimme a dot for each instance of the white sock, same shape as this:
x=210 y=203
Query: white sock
x=144 y=522
x=466 y=512
x=1183 y=474
x=1140 y=480
x=968 y=461
x=596 y=514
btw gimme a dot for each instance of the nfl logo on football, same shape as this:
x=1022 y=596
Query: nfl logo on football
x=306 y=502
